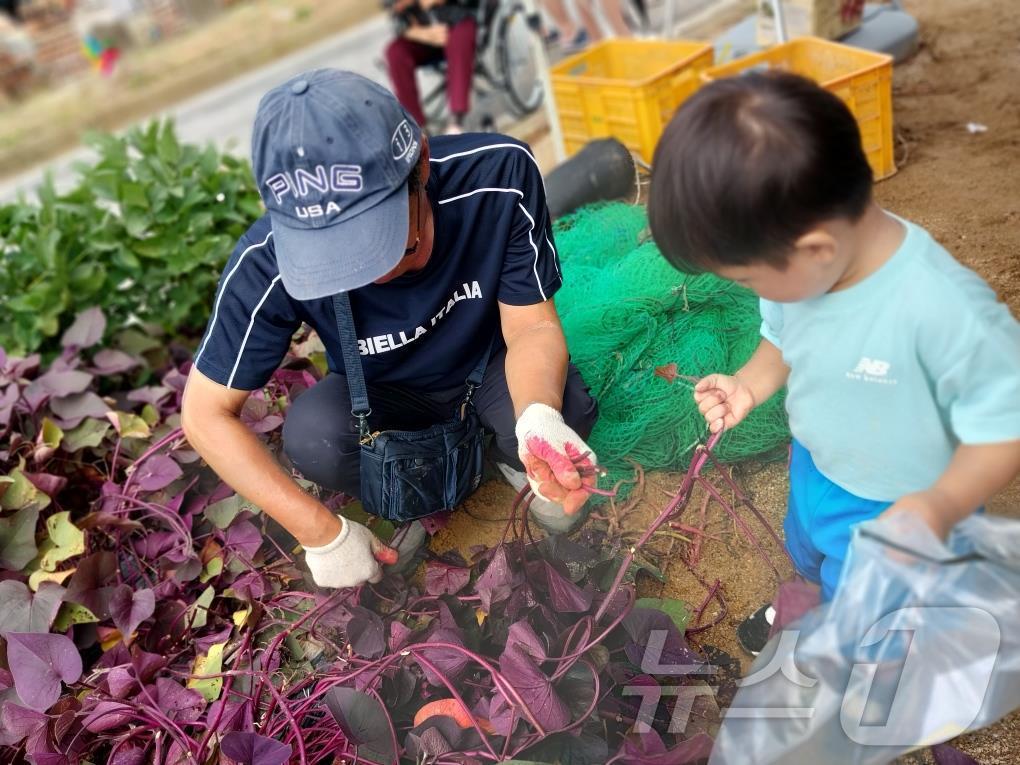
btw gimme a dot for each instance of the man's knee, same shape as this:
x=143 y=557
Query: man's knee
x=320 y=442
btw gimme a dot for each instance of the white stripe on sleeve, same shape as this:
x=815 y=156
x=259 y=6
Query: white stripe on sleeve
x=251 y=323
x=223 y=289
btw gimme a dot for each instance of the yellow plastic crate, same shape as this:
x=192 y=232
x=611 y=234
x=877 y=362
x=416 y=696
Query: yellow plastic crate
x=862 y=79
x=627 y=89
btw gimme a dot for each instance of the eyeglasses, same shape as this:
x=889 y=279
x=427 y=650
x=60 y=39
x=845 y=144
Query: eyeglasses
x=417 y=235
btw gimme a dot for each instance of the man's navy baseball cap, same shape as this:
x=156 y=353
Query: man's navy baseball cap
x=331 y=152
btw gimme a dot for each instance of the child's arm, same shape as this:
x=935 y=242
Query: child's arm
x=975 y=474
x=725 y=400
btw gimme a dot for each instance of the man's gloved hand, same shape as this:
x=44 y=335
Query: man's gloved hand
x=352 y=558
x=560 y=466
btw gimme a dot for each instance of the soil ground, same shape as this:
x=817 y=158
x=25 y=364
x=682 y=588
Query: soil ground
x=963 y=187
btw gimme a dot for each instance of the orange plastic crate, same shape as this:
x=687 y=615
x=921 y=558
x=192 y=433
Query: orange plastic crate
x=862 y=79
x=627 y=89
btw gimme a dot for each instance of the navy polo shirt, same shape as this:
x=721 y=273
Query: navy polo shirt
x=426 y=330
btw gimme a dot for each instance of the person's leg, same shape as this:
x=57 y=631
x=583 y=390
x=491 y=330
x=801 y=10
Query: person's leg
x=320 y=435
x=403 y=57
x=496 y=410
x=832 y=529
x=588 y=19
x=613 y=12
x=557 y=10
x=460 y=68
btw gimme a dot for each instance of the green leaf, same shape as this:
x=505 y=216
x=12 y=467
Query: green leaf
x=212 y=569
x=17 y=538
x=90 y=433
x=210 y=663
x=221 y=514
x=135 y=343
x=200 y=608
x=20 y=493
x=71 y=614
x=65 y=540
x=150 y=415
x=675 y=609
x=129 y=425
x=51 y=433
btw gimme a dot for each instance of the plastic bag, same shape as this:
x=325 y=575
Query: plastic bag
x=920 y=643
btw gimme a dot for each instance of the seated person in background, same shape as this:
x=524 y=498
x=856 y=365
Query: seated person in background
x=427 y=32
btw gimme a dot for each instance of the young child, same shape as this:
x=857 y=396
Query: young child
x=902 y=369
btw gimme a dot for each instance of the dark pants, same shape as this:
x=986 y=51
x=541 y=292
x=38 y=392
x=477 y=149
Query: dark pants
x=404 y=56
x=320 y=436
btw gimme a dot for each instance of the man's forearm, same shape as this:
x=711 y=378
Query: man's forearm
x=251 y=470
x=536 y=367
x=765 y=372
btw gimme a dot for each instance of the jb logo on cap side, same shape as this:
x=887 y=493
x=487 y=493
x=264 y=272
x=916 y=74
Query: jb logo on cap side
x=402 y=143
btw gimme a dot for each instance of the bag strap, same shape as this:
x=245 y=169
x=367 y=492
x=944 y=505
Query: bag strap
x=360 y=407
x=356 y=373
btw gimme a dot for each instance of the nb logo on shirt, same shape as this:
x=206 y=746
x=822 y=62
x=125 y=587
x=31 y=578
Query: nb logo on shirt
x=874 y=367
x=872 y=371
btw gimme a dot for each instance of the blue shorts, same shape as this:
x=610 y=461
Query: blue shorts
x=819 y=518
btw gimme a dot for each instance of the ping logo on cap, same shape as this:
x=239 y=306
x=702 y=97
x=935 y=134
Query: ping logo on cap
x=322 y=179
x=402 y=143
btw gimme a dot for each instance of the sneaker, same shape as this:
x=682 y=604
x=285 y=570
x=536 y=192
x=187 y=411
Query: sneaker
x=408 y=540
x=577 y=44
x=753 y=632
x=548 y=515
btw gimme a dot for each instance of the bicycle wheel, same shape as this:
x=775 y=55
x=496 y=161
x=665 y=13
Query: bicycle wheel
x=517 y=39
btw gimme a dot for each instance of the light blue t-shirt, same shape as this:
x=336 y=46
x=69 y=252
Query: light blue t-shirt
x=889 y=376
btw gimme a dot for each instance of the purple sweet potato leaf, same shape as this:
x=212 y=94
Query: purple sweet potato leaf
x=399 y=635
x=366 y=633
x=74 y=408
x=18 y=723
x=253 y=749
x=150 y=394
x=55 y=385
x=177 y=702
x=793 y=599
x=157 y=472
x=129 y=755
x=257 y=416
x=363 y=721
x=945 y=754
x=48 y=484
x=449 y=661
x=249 y=586
x=564 y=595
x=21 y=610
x=648 y=749
x=39 y=662
x=86 y=331
x=243 y=539
x=129 y=608
x=108 y=715
x=443 y=579
x=535 y=688
x=121 y=682
x=655 y=638
x=523 y=636
x=8 y=399
x=92 y=573
x=496 y=582
x=111 y=362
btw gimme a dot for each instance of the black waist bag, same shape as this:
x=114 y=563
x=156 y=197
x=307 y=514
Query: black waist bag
x=408 y=474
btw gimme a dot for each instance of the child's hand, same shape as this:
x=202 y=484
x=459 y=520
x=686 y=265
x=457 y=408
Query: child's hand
x=723 y=400
x=930 y=506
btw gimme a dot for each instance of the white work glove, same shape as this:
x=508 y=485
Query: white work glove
x=560 y=465
x=352 y=558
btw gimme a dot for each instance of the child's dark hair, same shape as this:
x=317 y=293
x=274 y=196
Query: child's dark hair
x=750 y=164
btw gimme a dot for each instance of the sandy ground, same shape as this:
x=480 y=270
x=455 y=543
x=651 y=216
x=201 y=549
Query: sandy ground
x=965 y=188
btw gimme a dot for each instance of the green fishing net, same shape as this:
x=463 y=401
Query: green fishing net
x=628 y=316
